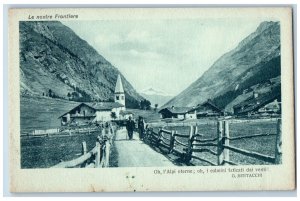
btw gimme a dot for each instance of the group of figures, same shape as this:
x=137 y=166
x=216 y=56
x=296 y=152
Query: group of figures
x=108 y=131
x=130 y=126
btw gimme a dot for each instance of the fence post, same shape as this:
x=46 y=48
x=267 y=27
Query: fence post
x=107 y=149
x=193 y=139
x=189 y=149
x=84 y=150
x=149 y=136
x=172 y=141
x=220 y=143
x=226 y=141
x=278 y=150
x=159 y=137
x=98 y=155
x=175 y=132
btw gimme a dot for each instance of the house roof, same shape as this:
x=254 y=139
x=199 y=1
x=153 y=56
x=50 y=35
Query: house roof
x=119 y=85
x=84 y=116
x=209 y=102
x=176 y=110
x=243 y=103
x=124 y=112
x=104 y=105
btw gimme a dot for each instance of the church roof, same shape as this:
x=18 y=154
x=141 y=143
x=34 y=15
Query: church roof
x=119 y=85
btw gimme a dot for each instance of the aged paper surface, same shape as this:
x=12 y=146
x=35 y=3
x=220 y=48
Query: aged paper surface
x=31 y=172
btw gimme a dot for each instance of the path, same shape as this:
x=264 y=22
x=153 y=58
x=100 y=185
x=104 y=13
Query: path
x=135 y=153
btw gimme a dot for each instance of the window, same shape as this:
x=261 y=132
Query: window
x=117 y=98
x=122 y=97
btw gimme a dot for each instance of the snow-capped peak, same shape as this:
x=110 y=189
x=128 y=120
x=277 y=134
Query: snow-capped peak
x=152 y=91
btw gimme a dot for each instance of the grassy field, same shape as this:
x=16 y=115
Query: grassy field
x=42 y=113
x=44 y=152
x=264 y=145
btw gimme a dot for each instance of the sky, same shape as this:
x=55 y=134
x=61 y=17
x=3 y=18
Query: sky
x=167 y=55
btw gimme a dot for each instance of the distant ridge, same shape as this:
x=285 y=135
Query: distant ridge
x=255 y=60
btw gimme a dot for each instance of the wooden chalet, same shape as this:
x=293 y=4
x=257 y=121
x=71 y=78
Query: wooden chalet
x=207 y=109
x=269 y=103
x=92 y=112
x=174 y=112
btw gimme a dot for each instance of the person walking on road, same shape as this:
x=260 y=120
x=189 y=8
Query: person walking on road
x=130 y=126
x=141 y=127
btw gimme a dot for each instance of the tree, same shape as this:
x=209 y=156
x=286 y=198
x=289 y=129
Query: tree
x=145 y=104
x=148 y=105
x=50 y=93
x=113 y=115
x=156 y=105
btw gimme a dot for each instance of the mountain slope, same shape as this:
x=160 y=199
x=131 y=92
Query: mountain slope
x=237 y=69
x=53 y=57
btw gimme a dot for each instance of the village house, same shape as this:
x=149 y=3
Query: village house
x=174 y=112
x=265 y=103
x=207 y=109
x=98 y=111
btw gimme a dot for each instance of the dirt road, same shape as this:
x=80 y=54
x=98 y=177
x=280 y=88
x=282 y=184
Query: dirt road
x=134 y=153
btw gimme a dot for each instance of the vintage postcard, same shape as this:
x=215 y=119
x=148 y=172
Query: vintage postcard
x=151 y=99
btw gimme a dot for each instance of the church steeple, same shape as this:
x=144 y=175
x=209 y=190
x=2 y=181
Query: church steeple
x=119 y=91
x=119 y=85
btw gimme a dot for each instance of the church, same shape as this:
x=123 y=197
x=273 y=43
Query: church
x=87 y=112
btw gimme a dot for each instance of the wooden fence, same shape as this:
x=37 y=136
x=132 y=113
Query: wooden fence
x=62 y=131
x=98 y=157
x=46 y=131
x=196 y=143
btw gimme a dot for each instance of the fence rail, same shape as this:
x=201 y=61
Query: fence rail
x=98 y=157
x=197 y=144
x=251 y=136
x=62 y=131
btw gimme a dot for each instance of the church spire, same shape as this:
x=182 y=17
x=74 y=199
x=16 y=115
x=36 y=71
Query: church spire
x=119 y=85
x=119 y=92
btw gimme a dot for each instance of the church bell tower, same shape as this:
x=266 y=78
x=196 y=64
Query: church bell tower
x=119 y=92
